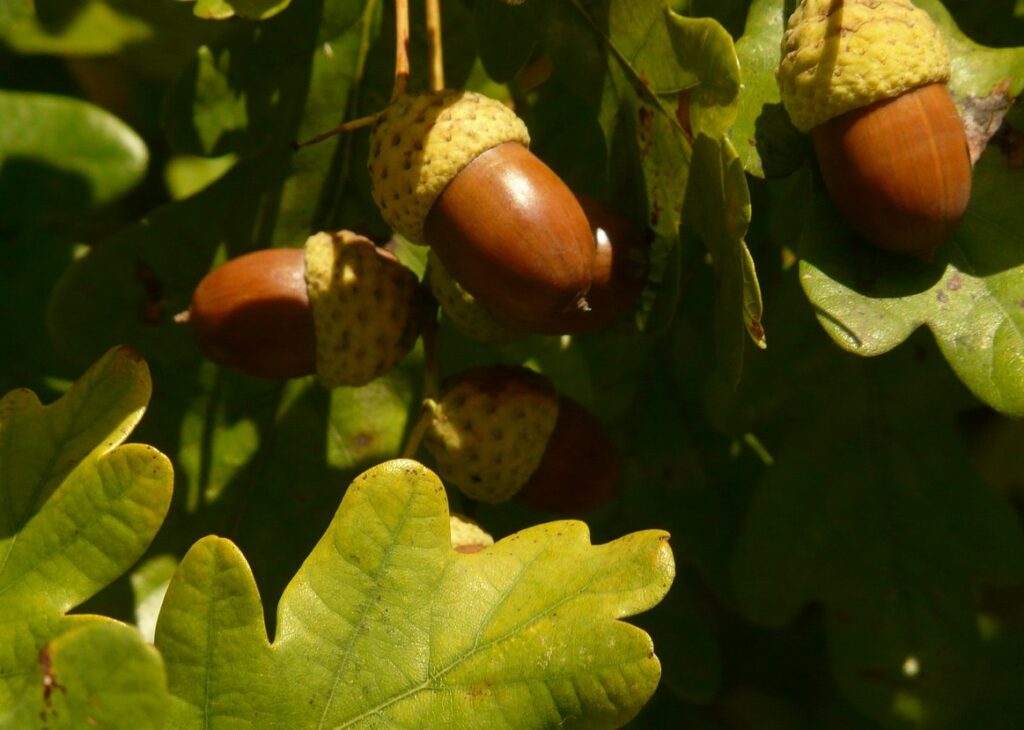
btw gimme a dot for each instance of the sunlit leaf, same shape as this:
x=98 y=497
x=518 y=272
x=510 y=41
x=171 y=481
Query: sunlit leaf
x=388 y=625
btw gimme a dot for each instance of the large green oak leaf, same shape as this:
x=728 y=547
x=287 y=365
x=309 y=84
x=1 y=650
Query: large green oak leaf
x=870 y=514
x=388 y=626
x=77 y=508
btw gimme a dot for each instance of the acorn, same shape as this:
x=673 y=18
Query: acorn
x=452 y=169
x=340 y=308
x=868 y=79
x=503 y=431
x=619 y=276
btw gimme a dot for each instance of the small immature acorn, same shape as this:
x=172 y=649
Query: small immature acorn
x=502 y=431
x=451 y=169
x=868 y=78
x=619 y=275
x=340 y=307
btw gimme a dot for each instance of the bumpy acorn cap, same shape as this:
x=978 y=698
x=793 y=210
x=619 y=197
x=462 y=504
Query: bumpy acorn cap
x=841 y=55
x=490 y=429
x=364 y=308
x=467 y=535
x=462 y=309
x=422 y=141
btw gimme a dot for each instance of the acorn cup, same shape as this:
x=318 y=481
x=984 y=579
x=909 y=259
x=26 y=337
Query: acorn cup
x=868 y=79
x=451 y=169
x=502 y=431
x=340 y=308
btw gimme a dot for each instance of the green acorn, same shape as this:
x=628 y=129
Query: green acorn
x=502 y=431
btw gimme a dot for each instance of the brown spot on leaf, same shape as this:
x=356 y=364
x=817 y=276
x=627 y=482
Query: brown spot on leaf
x=955 y=282
x=49 y=679
x=683 y=114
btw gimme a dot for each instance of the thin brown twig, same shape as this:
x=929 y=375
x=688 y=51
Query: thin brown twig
x=419 y=430
x=401 y=48
x=434 y=45
x=341 y=128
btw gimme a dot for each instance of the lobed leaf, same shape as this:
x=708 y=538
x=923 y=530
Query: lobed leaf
x=971 y=296
x=389 y=626
x=77 y=508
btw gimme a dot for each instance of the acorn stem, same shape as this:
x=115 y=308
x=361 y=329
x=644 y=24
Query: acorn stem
x=340 y=129
x=419 y=429
x=401 y=48
x=434 y=45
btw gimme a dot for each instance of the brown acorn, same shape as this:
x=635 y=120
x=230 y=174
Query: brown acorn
x=619 y=276
x=868 y=81
x=340 y=307
x=451 y=169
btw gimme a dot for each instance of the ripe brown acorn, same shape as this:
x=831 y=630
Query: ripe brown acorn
x=451 y=169
x=898 y=170
x=340 y=307
x=501 y=432
x=868 y=81
x=252 y=315
x=619 y=275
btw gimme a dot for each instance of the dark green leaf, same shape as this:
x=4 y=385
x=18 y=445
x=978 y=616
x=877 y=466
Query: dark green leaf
x=60 y=156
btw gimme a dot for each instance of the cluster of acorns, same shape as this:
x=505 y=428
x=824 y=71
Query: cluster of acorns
x=512 y=251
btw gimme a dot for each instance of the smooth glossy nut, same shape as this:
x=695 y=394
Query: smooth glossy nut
x=252 y=315
x=899 y=170
x=510 y=231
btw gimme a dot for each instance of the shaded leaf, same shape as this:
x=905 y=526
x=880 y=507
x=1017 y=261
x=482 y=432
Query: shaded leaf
x=971 y=296
x=77 y=506
x=871 y=508
x=387 y=624
x=61 y=156
x=655 y=80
